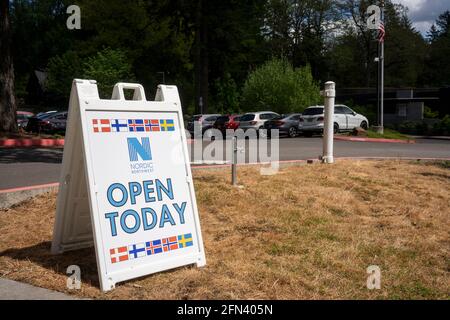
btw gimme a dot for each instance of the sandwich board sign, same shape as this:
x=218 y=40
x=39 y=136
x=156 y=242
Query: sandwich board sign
x=126 y=184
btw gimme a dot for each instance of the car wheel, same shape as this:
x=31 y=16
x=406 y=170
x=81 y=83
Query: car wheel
x=336 y=128
x=364 y=125
x=292 y=132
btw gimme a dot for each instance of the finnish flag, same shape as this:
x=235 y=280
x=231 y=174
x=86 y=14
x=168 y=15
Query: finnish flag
x=119 y=125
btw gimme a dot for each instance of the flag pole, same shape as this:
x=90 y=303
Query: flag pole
x=382 y=74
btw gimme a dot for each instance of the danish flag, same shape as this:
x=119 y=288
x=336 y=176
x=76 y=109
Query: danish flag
x=101 y=125
x=119 y=254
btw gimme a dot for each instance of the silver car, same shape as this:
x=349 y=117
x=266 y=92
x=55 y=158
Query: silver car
x=345 y=119
x=256 y=120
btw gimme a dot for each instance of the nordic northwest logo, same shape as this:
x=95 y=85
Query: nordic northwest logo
x=140 y=155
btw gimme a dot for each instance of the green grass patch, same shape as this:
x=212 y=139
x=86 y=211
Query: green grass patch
x=388 y=134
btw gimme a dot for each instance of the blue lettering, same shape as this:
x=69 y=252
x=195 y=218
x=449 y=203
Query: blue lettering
x=166 y=216
x=145 y=223
x=137 y=220
x=112 y=221
x=148 y=191
x=135 y=190
x=180 y=211
x=168 y=191
x=124 y=191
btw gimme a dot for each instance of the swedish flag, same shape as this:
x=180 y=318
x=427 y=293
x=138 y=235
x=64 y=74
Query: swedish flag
x=185 y=240
x=167 y=125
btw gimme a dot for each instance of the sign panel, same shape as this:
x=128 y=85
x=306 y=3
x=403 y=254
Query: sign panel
x=141 y=198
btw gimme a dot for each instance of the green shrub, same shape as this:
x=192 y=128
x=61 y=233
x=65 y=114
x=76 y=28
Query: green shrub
x=108 y=67
x=277 y=86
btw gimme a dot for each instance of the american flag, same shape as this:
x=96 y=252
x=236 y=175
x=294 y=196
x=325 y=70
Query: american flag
x=381 y=32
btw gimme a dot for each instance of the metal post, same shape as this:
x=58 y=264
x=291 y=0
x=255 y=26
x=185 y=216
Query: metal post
x=328 y=130
x=234 y=163
x=381 y=130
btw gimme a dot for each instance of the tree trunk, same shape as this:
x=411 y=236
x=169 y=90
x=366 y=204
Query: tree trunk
x=8 y=121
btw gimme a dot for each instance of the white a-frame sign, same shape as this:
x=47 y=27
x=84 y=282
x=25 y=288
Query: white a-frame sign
x=126 y=184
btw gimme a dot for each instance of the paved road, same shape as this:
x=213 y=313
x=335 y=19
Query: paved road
x=27 y=167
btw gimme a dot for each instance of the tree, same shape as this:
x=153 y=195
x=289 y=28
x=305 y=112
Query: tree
x=437 y=63
x=108 y=67
x=279 y=87
x=8 y=122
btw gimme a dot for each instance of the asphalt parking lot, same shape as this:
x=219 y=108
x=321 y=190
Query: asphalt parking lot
x=29 y=167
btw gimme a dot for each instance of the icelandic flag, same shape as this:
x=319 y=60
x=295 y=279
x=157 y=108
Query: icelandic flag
x=136 y=251
x=170 y=244
x=185 y=240
x=119 y=125
x=119 y=254
x=136 y=125
x=153 y=247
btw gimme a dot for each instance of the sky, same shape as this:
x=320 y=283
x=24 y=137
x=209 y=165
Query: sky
x=423 y=13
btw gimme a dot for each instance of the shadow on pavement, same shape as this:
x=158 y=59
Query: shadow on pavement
x=23 y=155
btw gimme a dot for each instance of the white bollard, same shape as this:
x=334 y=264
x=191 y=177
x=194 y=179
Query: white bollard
x=328 y=129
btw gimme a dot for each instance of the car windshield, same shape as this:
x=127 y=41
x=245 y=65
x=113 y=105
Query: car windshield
x=247 y=117
x=222 y=119
x=313 y=111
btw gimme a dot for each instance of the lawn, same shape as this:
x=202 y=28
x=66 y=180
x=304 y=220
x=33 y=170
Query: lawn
x=388 y=134
x=308 y=232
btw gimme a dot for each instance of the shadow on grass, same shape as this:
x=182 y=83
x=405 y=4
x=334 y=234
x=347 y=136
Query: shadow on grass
x=40 y=254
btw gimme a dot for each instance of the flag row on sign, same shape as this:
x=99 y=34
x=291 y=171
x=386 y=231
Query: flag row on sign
x=149 y=248
x=132 y=125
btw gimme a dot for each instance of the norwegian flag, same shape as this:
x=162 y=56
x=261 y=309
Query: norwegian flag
x=119 y=254
x=170 y=244
x=381 y=32
x=152 y=125
x=101 y=125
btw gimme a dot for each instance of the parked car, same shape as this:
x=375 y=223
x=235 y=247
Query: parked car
x=203 y=121
x=22 y=118
x=52 y=122
x=345 y=119
x=256 y=120
x=287 y=124
x=228 y=122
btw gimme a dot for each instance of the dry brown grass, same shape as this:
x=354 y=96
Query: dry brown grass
x=309 y=232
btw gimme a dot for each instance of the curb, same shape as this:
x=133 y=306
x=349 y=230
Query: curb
x=356 y=139
x=14 y=290
x=10 y=197
x=28 y=142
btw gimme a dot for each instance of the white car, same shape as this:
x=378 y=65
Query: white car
x=256 y=120
x=345 y=119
